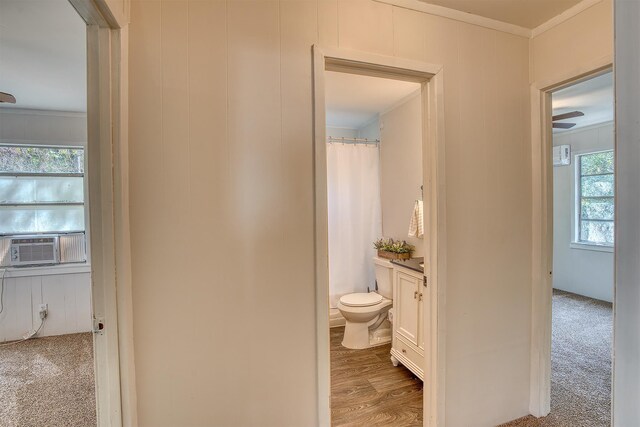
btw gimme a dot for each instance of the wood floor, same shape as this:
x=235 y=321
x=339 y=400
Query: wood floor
x=367 y=390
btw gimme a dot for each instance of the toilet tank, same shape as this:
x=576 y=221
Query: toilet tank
x=384 y=277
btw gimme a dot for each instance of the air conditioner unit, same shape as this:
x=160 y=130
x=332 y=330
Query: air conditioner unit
x=562 y=155
x=34 y=250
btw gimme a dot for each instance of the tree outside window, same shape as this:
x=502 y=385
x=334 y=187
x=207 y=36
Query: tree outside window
x=596 y=185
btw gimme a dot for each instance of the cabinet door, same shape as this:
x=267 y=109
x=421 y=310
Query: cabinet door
x=406 y=311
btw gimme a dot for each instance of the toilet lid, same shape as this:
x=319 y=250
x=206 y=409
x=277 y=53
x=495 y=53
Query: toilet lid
x=361 y=299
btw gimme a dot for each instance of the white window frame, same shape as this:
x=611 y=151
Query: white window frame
x=45 y=174
x=577 y=199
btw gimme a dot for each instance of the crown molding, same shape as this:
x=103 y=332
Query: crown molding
x=458 y=15
x=493 y=24
x=564 y=16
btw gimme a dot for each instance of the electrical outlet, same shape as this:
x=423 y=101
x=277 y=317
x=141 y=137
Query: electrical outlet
x=43 y=310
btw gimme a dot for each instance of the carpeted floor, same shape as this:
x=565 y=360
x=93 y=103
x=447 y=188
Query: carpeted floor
x=48 y=382
x=580 y=364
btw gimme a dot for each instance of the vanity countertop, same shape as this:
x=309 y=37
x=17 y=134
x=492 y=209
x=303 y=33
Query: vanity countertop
x=412 y=263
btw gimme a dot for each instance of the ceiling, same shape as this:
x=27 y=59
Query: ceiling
x=43 y=55
x=353 y=101
x=594 y=97
x=525 y=13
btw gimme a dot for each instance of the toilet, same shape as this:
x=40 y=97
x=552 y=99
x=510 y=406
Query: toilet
x=367 y=324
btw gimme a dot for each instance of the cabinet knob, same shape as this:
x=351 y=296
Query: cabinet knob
x=404 y=351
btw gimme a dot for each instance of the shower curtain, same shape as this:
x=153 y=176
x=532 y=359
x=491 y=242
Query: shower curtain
x=355 y=217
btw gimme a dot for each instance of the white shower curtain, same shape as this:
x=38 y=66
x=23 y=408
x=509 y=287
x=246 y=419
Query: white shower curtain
x=355 y=217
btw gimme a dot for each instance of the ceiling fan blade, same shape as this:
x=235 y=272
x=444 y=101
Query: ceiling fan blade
x=563 y=125
x=7 y=97
x=568 y=115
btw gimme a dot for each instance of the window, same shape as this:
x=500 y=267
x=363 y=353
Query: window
x=595 y=201
x=41 y=189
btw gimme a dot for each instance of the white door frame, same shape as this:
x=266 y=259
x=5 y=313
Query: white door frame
x=431 y=78
x=542 y=229
x=107 y=147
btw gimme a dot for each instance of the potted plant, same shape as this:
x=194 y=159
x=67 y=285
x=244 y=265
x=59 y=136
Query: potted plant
x=393 y=249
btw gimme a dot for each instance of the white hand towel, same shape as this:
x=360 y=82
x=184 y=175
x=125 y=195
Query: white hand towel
x=416 y=223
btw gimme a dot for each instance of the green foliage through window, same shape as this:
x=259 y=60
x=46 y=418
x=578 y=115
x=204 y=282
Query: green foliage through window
x=596 y=198
x=30 y=159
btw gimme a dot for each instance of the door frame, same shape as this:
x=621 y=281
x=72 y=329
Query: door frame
x=107 y=153
x=542 y=228
x=432 y=93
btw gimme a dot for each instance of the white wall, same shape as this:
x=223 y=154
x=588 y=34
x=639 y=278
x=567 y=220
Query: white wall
x=370 y=130
x=578 y=268
x=626 y=364
x=221 y=140
x=68 y=295
x=401 y=169
x=342 y=132
x=18 y=126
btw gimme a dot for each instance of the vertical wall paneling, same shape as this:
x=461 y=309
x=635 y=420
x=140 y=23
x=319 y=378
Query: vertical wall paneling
x=68 y=297
x=151 y=301
x=366 y=25
x=626 y=388
x=222 y=204
x=298 y=32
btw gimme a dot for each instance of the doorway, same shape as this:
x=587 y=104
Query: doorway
x=46 y=356
x=105 y=198
x=583 y=244
x=374 y=176
x=573 y=220
x=430 y=79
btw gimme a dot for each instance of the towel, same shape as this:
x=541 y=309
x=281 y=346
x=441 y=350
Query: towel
x=416 y=224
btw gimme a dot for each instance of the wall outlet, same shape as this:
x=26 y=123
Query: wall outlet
x=43 y=310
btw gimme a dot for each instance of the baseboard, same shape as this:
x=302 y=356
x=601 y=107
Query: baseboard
x=335 y=318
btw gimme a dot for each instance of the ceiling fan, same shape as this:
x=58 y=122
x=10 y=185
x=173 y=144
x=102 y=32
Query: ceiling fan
x=7 y=97
x=565 y=116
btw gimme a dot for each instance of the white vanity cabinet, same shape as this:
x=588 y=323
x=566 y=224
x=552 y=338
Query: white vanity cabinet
x=408 y=336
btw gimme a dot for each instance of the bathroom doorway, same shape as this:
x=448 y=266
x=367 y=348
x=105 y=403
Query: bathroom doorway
x=373 y=131
x=377 y=164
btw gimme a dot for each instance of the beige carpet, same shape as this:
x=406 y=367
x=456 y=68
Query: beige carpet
x=580 y=364
x=48 y=382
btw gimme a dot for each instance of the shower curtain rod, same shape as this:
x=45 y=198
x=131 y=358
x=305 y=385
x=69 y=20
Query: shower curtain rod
x=352 y=140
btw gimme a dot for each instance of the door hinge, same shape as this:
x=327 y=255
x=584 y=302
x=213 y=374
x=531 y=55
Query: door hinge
x=424 y=281
x=98 y=326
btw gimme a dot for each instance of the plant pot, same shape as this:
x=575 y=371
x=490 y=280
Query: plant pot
x=393 y=255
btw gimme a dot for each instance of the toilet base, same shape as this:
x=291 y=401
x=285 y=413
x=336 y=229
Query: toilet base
x=357 y=336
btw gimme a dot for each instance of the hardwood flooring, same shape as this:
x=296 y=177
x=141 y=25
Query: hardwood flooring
x=367 y=390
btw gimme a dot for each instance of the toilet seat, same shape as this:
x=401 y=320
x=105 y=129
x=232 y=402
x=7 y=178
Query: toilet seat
x=361 y=299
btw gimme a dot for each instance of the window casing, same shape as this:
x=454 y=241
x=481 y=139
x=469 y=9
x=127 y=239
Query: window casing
x=595 y=202
x=41 y=189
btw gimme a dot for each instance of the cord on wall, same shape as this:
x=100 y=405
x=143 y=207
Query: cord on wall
x=4 y=272
x=43 y=312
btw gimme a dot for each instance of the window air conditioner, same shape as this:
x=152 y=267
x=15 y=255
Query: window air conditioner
x=34 y=250
x=562 y=155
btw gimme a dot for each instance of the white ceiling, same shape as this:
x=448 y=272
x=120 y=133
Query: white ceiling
x=43 y=55
x=353 y=101
x=593 y=97
x=525 y=13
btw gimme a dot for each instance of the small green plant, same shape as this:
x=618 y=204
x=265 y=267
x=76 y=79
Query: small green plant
x=395 y=246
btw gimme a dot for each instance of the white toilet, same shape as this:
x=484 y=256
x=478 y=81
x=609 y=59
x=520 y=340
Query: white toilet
x=366 y=313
